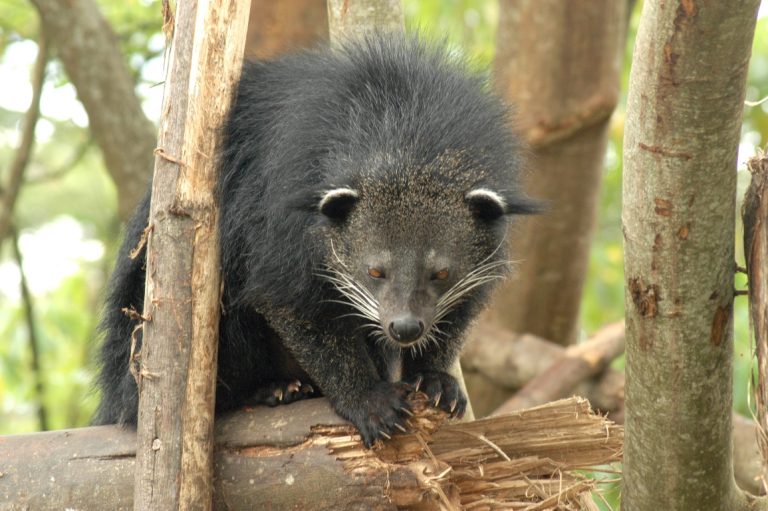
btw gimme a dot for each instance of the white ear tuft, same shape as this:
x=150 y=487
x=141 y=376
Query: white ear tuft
x=486 y=195
x=338 y=202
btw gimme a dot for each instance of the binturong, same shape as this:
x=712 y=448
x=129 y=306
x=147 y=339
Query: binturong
x=365 y=197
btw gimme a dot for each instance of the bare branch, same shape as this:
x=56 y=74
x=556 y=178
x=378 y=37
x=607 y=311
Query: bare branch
x=34 y=342
x=27 y=140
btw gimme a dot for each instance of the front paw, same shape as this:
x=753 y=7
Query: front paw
x=379 y=412
x=443 y=391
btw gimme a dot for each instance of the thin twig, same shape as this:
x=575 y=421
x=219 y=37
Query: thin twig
x=34 y=344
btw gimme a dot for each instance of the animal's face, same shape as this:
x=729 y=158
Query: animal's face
x=410 y=288
x=405 y=257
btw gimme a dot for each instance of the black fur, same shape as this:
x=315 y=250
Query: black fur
x=407 y=127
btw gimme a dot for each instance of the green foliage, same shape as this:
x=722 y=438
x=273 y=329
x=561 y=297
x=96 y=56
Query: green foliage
x=17 y=22
x=469 y=26
x=65 y=177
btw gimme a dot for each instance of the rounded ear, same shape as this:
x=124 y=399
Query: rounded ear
x=486 y=204
x=336 y=204
x=489 y=205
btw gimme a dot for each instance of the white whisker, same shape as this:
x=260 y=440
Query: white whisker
x=354 y=295
x=484 y=273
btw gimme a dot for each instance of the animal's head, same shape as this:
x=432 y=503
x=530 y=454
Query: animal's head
x=406 y=248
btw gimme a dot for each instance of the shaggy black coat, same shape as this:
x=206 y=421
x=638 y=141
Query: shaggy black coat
x=408 y=127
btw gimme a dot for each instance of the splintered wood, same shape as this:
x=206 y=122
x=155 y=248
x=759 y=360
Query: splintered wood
x=526 y=460
x=271 y=458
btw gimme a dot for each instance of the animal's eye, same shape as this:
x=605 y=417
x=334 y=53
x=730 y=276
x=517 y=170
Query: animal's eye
x=376 y=273
x=440 y=275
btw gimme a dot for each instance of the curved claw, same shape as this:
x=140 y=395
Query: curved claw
x=442 y=391
x=417 y=383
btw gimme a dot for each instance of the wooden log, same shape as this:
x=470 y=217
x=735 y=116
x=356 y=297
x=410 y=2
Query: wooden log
x=504 y=362
x=490 y=349
x=271 y=458
x=578 y=363
x=178 y=353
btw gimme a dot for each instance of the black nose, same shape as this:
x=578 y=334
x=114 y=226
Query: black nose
x=406 y=329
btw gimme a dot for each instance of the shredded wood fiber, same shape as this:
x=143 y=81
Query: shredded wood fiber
x=532 y=459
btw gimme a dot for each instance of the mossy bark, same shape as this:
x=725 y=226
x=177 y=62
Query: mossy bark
x=683 y=122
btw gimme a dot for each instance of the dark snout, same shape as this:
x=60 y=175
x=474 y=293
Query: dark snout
x=406 y=329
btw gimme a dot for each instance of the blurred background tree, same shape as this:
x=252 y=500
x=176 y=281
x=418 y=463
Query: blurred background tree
x=68 y=221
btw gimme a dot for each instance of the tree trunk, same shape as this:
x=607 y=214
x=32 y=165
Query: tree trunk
x=506 y=362
x=281 y=27
x=177 y=379
x=559 y=63
x=9 y=193
x=353 y=18
x=94 y=63
x=683 y=121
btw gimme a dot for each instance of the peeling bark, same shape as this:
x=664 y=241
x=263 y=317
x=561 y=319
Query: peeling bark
x=177 y=380
x=755 y=216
